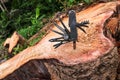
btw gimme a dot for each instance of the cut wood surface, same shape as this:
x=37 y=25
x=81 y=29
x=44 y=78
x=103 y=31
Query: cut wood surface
x=93 y=50
x=16 y=38
x=12 y=42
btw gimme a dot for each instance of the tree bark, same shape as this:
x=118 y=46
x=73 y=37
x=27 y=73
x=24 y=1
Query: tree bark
x=95 y=57
x=33 y=70
x=103 y=68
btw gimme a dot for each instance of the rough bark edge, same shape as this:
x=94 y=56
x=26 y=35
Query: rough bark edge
x=103 y=68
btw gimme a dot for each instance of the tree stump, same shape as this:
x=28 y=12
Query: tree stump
x=95 y=57
x=101 y=69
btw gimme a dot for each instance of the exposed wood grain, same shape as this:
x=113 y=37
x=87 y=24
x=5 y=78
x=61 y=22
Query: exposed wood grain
x=16 y=38
x=90 y=47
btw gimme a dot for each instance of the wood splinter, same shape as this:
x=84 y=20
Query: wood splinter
x=16 y=38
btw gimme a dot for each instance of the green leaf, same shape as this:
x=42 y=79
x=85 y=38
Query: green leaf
x=87 y=1
x=49 y=1
x=71 y=1
x=41 y=17
x=37 y=12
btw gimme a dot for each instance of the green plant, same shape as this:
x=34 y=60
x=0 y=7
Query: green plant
x=36 y=39
x=36 y=25
x=88 y=1
x=21 y=14
x=19 y=48
x=4 y=25
x=4 y=53
x=64 y=4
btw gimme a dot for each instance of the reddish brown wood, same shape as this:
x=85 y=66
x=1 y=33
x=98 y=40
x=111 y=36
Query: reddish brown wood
x=16 y=38
x=95 y=56
x=12 y=42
